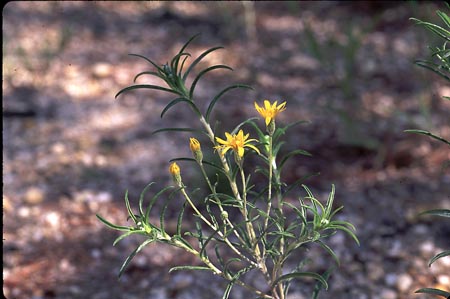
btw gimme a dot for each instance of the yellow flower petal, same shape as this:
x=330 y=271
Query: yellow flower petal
x=270 y=111
x=236 y=142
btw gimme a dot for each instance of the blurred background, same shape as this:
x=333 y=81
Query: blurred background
x=70 y=150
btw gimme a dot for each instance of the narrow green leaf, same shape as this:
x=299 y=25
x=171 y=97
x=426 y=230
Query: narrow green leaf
x=283 y=234
x=148 y=60
x=181 y=67
x=219 y=256
x=129 y=233
x=291 y=154
x=211 y=237
x=130 y=212
x=438 y=256
x=345 y=229
x=147 y=73
x=329 y=250
x=227 y=291
x=188 y=42
x=182 y=240
x=179 y=268
x=432 y=291
x=319 y=286
x=300 y=180
x=343 y=223
x=299 y=213
x=153 y=200
x=179 y=100
x=281 y=131
x=329 y=204
x=113 y=226
x=211 y=68
x=141 y=200
x=277 y=147
x=296 y=275
x=132 y=254
x=180 y=218
x=426 y=64
x=199 y=233
x=438 y=30
x=220 y=94
x=437 y=212
x=175 y=61
x=236 y=129
x=444 y=17
x=164 y=209
x=146 y=86
x=423 y=132
x=260 y=133
x=196 y=61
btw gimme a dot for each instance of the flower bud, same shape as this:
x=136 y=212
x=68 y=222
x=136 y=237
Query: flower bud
x=174 y=169
x=271 y=127
x=196 y=149
x=224 y=215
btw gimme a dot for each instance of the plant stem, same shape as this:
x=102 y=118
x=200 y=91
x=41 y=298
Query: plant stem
x=227 y=221
x=237 y=195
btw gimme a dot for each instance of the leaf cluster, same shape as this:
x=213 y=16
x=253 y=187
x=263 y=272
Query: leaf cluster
x=440 y=55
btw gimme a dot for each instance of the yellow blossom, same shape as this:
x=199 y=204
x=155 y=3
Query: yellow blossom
x=196 y=149
x=194 y=144
x=174 y=169
x=270 y=111
x=236 y=142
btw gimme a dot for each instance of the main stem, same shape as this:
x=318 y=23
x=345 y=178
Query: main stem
x=256 y=250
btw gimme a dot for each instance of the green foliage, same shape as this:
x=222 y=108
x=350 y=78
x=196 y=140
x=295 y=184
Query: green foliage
x=258 y=236
x=439 y=64
x=440 y=55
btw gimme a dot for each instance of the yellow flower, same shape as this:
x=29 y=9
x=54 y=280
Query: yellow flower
x=270 y=111
x=174 y=169
x=194 y=144
x=236 y=143
x=196 y=149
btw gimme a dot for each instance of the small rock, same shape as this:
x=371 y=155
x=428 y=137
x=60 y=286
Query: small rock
x=65 y=266
x=390 y=279
x=404 y=282
x=102 y=70
x=420 y=229
x=396 y=250
x=444 y=280
x=34 y=195
x=375 y=271
x=58 y=148
x=7 y=204
x=96 y=253
x=23 y=212
x=427 y=248
x=388 y=294
x=52 y=218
